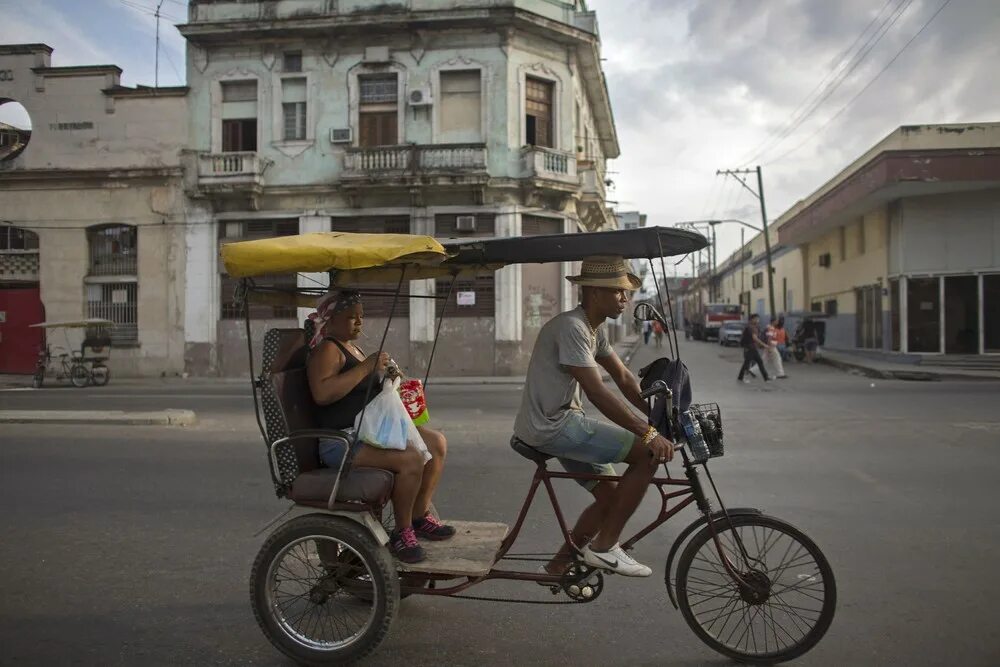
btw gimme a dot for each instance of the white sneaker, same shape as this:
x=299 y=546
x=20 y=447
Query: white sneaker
x=615 y=560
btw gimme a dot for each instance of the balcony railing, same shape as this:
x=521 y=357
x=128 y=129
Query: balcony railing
x=592 y=181
x=414 y=158
x=232 y=171
x=550 y=164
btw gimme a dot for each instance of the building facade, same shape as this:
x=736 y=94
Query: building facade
x=92 y=215
x=901 y=249
x=454 y=119
x=903 y=246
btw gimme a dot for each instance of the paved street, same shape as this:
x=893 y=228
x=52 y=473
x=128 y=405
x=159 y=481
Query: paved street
x=133 y=545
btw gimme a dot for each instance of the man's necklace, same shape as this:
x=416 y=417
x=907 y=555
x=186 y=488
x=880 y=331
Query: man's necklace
x=593 y=329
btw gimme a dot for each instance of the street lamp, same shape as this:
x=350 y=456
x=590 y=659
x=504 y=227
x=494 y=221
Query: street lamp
x=767 y=249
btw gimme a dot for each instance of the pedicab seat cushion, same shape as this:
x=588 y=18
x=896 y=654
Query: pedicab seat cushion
x=527 y=451
x=370 y=486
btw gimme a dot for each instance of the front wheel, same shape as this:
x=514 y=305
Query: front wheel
x=79 y=375
x=323 y=591
x=783 y=602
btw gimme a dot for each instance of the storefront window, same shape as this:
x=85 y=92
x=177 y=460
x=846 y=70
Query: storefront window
x=991 y=312
x=961 y=315
x=923 y=310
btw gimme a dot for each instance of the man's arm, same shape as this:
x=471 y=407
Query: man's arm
x=609 y=404
x=626 y=381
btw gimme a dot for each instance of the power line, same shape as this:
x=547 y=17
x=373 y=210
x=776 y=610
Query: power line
x=858 y=58
x=835 y=65
x=867 y=86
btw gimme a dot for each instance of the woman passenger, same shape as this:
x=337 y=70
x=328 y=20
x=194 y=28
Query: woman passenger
x=339 y=375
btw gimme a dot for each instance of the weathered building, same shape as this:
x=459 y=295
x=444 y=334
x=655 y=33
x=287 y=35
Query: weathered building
x=450 y=118
x=92 y=220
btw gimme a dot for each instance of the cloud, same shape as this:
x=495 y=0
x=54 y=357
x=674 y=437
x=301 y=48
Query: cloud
x=698 y=86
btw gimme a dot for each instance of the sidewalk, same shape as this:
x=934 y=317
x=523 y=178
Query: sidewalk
x=625 y=348
x=897 y=367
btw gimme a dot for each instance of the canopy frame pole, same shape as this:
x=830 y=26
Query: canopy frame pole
x=670 y=306
x=243 y=299
x=381 y=345
x=437 y=330
x=659 y=298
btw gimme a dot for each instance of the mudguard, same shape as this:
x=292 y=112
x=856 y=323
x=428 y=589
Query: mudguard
x=686 y=533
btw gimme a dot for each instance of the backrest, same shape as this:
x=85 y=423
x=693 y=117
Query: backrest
x=288 y=404
x=96 y=348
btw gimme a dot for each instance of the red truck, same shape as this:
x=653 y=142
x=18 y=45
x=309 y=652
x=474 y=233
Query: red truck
x=705 y=319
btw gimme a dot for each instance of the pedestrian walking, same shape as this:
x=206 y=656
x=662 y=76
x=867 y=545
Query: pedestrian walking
x=781 y=338
x=771 y=354
x=810 y=339
x=752 y=343
x=647 y=329
x=658 y=333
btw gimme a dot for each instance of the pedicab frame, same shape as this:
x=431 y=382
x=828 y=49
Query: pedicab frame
x=358 y=259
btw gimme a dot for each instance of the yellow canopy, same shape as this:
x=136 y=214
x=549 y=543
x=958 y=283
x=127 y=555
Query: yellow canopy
x=323 y=251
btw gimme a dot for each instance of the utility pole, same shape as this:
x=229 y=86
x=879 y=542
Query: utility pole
x=156 y=74
x=742 y=270
x=739 y=175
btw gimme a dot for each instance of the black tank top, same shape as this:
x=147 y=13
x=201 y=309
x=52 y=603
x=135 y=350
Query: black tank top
x=341 y=414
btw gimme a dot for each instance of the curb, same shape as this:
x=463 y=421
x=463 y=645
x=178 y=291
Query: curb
x=868 y=371
x=112 y=417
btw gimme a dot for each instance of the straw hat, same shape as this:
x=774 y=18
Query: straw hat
x=606 y=271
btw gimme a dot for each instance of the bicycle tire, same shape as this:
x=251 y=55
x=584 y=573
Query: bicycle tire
x=79 y=375
x=804 y=572
x=100 y=375
x=267 y=605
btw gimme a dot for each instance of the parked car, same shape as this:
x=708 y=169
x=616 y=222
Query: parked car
x=730 y=332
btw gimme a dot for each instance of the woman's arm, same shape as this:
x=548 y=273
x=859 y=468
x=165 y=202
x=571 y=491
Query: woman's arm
x=326 y=382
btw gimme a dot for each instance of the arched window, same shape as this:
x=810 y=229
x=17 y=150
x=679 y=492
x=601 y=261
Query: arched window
x=18 y=254
x=112 y=287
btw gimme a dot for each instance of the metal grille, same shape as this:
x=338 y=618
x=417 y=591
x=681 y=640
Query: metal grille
x=112 y=250
x=245 y=231
x=295 y=120
x=116 y=302
x=379 y=89
x=15 y=238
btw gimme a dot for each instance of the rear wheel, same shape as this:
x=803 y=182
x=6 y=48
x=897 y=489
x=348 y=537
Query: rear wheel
x=331 y=608
x=101 y=375
x=782 y=605
x=79 y=375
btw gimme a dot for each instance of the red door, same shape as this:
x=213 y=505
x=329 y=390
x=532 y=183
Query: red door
x=19 y=344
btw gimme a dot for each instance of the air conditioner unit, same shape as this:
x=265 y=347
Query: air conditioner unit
x=465 y=223
x=824 y=260
x=420 y=97
x=340 y=135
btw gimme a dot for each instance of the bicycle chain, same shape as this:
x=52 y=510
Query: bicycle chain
x=523 y=557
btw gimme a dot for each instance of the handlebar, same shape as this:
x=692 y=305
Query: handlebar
x=658 y=387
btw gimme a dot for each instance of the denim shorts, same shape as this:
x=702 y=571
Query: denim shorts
x=333 y=450
x=586 y=445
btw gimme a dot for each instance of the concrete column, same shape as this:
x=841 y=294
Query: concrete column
x=567 y=290
x=201 y=292
x=941 y=310
x=508 y=283
x=981 y=306
x=309 y=224
x=422 y=311
x=904 y=334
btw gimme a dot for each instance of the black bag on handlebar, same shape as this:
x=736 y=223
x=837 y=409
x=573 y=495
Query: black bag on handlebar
x=675 y=374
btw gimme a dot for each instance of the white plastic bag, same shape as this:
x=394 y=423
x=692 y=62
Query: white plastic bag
x=387 y=424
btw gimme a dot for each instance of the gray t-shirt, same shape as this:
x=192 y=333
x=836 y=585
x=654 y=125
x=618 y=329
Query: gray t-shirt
x=550 y=392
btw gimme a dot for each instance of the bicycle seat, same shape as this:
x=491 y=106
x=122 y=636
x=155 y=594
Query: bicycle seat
x=527 y=451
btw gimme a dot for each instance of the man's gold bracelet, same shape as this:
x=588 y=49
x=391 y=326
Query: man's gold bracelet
x=650 y=434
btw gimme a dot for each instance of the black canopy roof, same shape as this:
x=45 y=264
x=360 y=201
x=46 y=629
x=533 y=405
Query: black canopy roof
x=645 y=242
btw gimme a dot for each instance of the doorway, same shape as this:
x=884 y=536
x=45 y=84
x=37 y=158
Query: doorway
x=20 y=307
x=961 y=315
x=923 y=305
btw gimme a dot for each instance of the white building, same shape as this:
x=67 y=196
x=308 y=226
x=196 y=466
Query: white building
x=92 y=220
x=451 y=118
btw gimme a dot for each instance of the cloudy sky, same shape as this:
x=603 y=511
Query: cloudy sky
x=695 y=86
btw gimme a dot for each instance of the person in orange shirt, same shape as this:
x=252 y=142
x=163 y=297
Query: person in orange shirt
x=781 y=339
